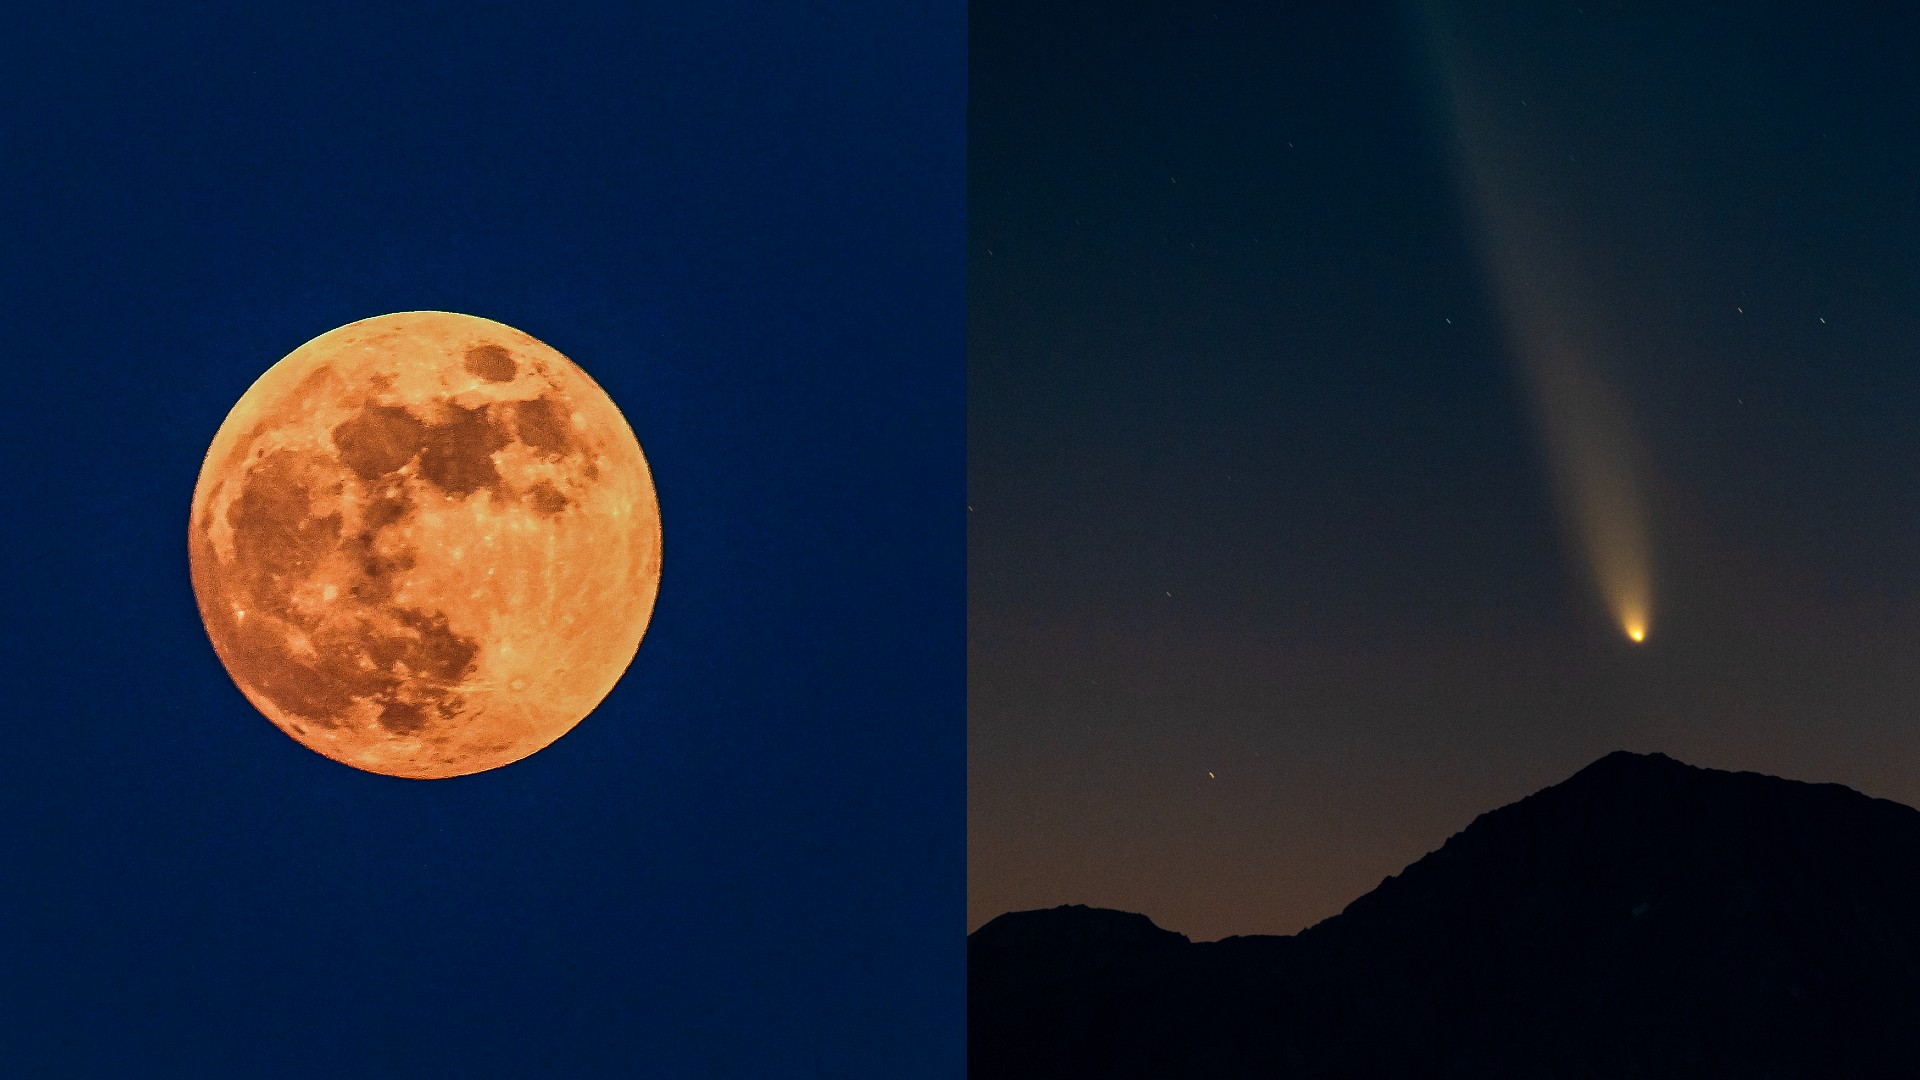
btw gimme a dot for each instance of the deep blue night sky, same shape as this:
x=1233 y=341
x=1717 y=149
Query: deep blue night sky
x=745 y=222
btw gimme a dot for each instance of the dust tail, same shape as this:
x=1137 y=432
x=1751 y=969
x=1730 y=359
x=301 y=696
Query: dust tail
x=1554 y=328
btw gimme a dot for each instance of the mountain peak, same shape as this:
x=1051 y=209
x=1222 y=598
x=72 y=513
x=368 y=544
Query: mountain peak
x=1625 y=763
x=1622 y=759
x=1076 y=923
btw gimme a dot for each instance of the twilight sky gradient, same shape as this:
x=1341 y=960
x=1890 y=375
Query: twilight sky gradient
x=1258 y=480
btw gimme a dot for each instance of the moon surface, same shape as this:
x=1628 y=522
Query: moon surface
x=425 y=544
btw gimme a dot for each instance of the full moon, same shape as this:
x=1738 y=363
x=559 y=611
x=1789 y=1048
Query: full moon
x=425 y=544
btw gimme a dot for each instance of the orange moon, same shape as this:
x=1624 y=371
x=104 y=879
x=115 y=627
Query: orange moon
x=425 y=544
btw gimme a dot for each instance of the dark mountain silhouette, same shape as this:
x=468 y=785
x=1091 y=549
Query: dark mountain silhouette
x=1642 y=918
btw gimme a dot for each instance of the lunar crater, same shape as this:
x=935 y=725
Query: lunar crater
x=492 y=363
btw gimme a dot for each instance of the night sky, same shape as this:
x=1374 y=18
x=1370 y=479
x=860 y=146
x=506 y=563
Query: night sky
x=1262 y=487
x=746 y=222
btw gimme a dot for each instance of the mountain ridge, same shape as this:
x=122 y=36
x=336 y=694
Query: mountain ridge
x=1642 y=917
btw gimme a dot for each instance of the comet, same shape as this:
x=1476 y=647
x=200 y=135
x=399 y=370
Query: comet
x=1556 y=337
